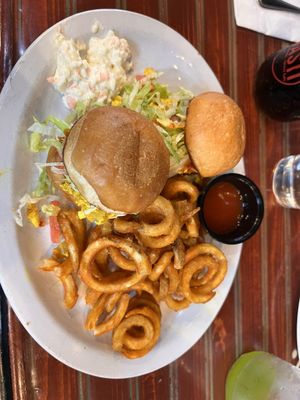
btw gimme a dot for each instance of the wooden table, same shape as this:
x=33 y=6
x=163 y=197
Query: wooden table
x=260 y=311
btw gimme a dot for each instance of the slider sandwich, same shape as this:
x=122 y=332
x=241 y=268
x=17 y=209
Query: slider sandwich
x=115 y=158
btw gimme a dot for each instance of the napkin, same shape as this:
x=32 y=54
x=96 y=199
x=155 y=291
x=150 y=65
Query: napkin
x=280 y=24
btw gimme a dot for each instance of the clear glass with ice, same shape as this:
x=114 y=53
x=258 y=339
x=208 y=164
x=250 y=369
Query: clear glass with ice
x=262 y=376
x=286 y=182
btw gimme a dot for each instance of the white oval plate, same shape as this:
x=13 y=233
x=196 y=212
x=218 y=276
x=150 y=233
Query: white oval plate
x=35 y=296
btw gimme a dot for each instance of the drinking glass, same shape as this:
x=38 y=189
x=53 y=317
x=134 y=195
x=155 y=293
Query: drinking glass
x=286 y=182
x=262 y=376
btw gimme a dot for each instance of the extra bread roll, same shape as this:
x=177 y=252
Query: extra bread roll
x=117 y=159
x=215 y=133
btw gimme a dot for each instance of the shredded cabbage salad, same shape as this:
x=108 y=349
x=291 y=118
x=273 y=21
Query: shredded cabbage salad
x=143 y=94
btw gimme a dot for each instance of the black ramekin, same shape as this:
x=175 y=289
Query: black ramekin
x=253 y=206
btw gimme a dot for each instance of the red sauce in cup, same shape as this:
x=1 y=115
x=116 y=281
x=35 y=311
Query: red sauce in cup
x=223 y=208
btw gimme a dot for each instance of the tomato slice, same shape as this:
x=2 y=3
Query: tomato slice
x=54 y=226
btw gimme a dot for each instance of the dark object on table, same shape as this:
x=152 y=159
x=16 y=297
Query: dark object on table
x=277 y=87
x=5 y=371
x=279 y=5
x=231 y=208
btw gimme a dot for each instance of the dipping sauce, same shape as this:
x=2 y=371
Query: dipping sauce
x=223 y=208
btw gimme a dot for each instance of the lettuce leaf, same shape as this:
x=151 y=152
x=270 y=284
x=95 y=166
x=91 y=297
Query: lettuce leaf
x=44 y=186
x=167 y=110
x=45 y=134
x=50 y=210
x=38 y=144
x=59 y=123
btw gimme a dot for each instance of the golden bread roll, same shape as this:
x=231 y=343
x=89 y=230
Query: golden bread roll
x=215 y=133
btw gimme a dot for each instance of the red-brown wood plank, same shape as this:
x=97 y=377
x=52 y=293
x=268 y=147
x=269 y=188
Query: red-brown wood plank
x=155 y=385
x=182 y=17
x=274 y=216
x=34 y=17
x=84 y=5
x=294 y=287
x=216 y=41
x=223 y=345
x=7 y=38
x=276 y=268
x=250 y=272
x=149 y=8
x=109 y=389
x=293 y=250
x=192 y=371
x=36 y=374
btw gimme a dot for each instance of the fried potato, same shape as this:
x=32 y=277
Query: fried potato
x=130 y=266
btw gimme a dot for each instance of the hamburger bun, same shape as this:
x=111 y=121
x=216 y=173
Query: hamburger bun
x=117 y=159
x=215 y=133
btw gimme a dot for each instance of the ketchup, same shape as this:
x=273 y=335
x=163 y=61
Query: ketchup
x=223 y=208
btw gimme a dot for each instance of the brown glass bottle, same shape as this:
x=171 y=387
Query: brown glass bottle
x=277 y=86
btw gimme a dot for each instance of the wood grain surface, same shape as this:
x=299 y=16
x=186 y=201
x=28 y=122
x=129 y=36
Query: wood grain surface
x=260 y=311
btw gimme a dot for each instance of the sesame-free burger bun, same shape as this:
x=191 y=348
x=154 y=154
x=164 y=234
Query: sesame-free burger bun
x=117 y=159
x=215 y=133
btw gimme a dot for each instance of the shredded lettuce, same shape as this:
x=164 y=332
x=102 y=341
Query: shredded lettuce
x=38 y=144
x=35 y=142
x=42 y=128
x=80 y=109
x=44 y=186
x=45 y=134
x=167 y=110
x=23 y=202
x=40 y=165
x=27 y=201
x=59 y=123
x=50 y=210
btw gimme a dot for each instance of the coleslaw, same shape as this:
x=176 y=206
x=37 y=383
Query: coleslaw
x=91 y=73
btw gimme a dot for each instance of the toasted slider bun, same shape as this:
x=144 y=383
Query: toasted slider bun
x=117 y=159
x=215 y=133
